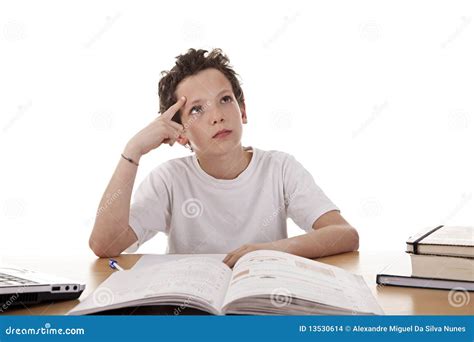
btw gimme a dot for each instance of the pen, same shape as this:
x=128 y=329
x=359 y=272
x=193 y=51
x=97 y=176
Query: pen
x=114 y=265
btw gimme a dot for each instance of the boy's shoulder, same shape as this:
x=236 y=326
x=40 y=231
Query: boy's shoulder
x=171 y=166
x=275 y=156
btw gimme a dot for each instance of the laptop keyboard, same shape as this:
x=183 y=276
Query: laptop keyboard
x=9 y=280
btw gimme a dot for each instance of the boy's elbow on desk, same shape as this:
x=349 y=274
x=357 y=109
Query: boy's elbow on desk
x=349 y=238
x=332 y=228
x=346 y=240
x=100 y=250
x=106 y=243
x=354 y=239
x=336 y=239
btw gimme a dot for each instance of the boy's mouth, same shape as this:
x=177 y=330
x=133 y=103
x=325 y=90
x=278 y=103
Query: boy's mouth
x=222 y=133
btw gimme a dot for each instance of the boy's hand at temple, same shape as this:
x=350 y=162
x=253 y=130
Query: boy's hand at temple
x=159 y=131
x=331 y=234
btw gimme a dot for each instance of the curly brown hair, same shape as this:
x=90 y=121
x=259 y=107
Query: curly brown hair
x=188 y=64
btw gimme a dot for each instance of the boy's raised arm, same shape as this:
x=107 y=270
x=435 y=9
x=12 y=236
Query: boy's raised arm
x=112 y=233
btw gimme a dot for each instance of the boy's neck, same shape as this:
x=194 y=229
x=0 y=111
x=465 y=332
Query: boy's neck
x=226 y=166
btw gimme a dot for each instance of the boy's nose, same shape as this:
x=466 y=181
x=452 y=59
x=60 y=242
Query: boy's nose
x=215 y=114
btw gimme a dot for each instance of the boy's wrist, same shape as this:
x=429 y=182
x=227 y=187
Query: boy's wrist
x=132 y=152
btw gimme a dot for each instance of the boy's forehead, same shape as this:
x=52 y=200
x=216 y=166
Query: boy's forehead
x=205 y=84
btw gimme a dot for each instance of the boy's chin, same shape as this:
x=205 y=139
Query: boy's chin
x=221 y=147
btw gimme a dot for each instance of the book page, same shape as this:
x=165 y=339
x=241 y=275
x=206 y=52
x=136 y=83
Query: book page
x=451 y=235
x=276 y=274
x=205 y=279
x=148 y=260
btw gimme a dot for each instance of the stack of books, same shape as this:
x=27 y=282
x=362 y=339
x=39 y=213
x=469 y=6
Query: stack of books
x=441 y=258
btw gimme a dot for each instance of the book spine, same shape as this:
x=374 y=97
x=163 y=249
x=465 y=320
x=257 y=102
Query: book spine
x=417 y=241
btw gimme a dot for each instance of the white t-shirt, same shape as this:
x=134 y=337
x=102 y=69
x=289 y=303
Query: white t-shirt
x=203 y=214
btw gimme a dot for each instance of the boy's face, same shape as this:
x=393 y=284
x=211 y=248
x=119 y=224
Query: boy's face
x=210 y=107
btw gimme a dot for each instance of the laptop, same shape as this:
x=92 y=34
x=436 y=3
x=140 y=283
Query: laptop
x=22 y=287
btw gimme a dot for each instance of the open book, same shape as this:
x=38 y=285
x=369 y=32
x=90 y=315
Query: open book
x=262 y=282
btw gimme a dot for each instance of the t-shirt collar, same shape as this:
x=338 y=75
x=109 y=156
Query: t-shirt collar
x=223 y=182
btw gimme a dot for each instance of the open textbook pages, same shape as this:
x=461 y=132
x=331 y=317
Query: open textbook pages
x=271 y=282
x=197 y=282
x=263 y=282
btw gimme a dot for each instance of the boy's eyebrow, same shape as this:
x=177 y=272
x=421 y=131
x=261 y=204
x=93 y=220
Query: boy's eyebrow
x=199 y=100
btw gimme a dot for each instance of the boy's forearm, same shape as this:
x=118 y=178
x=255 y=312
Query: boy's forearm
x=112 y=219
x=329 y=240
x=115 y=202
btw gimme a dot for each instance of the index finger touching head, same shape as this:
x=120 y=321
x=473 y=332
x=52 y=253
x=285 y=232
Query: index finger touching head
x=171 y=111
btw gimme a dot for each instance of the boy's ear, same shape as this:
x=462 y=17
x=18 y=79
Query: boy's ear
x=244 y=113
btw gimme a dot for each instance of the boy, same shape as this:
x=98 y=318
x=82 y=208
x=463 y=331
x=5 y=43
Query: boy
x=225 y=198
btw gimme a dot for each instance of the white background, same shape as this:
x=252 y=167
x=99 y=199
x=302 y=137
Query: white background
x=375 y=99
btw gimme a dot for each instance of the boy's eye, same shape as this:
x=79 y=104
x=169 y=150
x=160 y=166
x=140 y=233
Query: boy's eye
x=199 y=110
x=195 y=110
x=227 y=98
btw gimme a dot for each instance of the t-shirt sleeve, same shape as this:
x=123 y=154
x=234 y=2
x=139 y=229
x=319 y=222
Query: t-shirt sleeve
x=150 y=211
x=304 y=200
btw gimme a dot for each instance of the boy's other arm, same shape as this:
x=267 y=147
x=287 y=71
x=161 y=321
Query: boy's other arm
x=334 y=235
x=112 y=233
x=331 y=234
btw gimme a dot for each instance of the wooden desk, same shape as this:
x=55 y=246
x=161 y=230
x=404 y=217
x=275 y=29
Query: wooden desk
x=393 y=300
